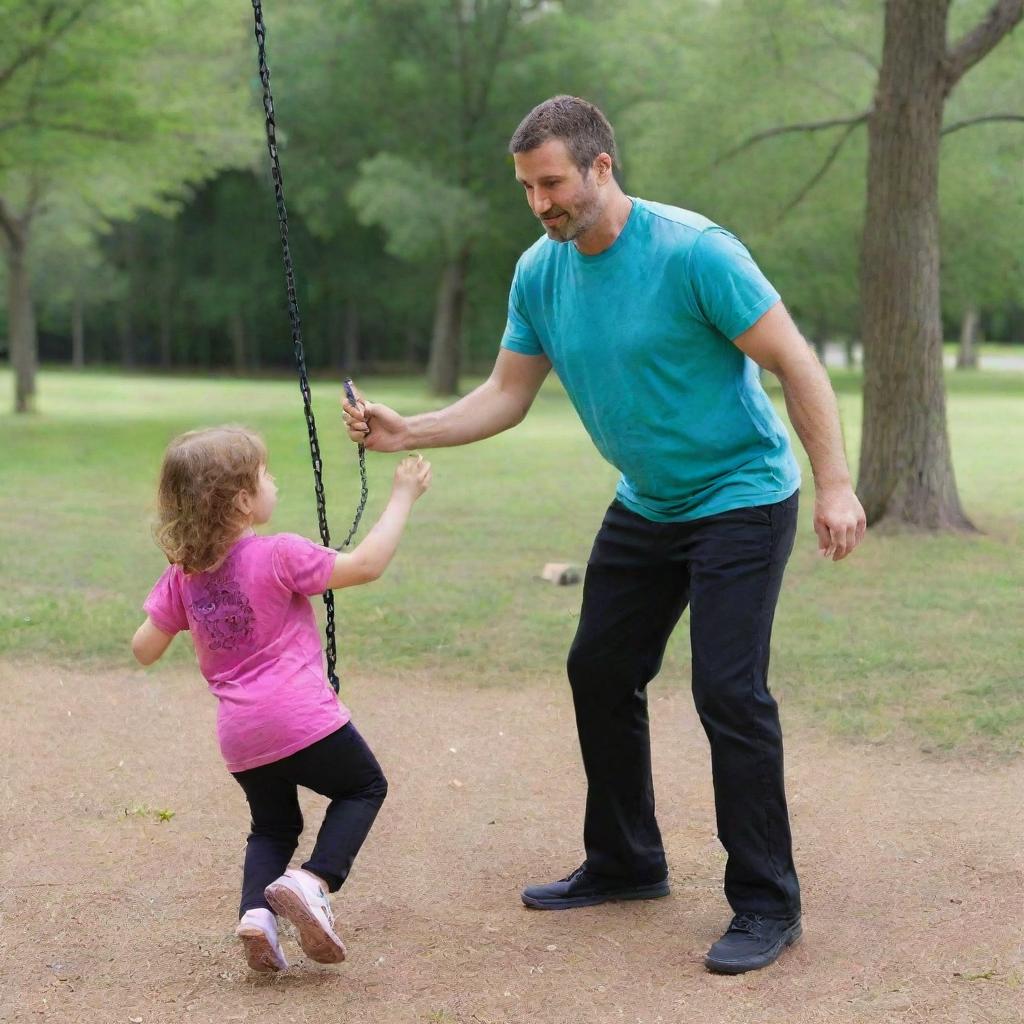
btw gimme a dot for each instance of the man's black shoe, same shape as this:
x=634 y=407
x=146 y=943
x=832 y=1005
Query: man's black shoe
x=751 y=942
x=582 y=889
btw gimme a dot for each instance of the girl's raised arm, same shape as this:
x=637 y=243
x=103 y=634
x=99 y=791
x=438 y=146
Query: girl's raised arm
x=371 y=557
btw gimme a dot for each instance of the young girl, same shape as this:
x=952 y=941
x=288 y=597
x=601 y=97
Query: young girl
x=245 y=599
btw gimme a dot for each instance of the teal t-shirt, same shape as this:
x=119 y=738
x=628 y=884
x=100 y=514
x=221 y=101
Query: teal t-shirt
x=641 y=337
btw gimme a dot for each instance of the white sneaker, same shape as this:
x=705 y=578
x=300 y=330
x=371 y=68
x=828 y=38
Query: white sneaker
x=297 y=896
x=258 y=932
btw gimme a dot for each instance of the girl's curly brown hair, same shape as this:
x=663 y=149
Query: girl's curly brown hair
x=203 y=472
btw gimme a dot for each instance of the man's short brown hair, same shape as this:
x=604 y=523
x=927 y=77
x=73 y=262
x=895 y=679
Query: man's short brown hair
x=579 y=124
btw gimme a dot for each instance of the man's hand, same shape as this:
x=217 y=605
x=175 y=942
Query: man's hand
x=378 y=427
x=839 y=521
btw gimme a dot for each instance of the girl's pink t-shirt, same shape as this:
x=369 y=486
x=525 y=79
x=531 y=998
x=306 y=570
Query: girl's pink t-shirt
x=257 y=643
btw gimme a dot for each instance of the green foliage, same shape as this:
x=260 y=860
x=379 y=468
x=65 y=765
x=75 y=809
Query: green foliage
x=423 y=98
x=420 y=214
x=982 y=186
x=113 y=106
x=393 y=124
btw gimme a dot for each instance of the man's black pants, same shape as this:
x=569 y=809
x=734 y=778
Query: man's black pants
x=340 y=766
x=640 y=577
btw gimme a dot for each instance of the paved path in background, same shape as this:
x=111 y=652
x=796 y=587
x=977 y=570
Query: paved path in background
x=835 y=355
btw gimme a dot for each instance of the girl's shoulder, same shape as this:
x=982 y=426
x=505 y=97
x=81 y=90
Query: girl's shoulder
x=270 y=543
x=284 y=550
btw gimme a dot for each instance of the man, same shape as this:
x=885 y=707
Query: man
x=654 y=318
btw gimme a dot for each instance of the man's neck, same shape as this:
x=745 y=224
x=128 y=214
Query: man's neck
x=603 y=234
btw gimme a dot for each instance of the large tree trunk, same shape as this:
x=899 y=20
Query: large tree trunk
x=77 y=330
x=23 y=341
x=446 y=341
x=967 y=354
x=906 y=472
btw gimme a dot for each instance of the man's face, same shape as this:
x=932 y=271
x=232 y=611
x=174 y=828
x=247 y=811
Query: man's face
x=567 y=202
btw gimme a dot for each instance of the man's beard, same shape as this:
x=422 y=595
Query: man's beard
x=588 y=213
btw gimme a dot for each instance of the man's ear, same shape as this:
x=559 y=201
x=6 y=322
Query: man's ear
x=603 y=166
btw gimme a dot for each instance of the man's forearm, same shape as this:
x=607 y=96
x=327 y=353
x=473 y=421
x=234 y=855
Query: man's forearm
x=484 y=412
x=813 y=411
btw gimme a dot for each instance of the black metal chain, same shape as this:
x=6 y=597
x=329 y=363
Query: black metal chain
x=364 y=493
x=300 y=356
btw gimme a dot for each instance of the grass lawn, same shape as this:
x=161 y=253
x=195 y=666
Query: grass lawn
x=913 y=637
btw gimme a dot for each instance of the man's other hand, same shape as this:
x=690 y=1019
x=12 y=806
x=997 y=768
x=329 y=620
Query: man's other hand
x=839 y=521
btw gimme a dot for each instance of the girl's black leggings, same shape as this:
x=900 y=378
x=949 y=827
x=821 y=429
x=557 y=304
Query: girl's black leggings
x=340 y=766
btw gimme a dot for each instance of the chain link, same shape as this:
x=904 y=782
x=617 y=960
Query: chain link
x=300 y=357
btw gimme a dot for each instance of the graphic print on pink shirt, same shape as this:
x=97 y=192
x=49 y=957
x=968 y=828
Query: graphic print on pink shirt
x=222 y=612
x=257 y=644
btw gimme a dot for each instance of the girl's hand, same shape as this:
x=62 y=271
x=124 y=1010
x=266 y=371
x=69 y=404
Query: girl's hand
x=412 y=477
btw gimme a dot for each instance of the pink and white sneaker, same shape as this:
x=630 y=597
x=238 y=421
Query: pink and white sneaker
x=300 y=898
x=258 y=932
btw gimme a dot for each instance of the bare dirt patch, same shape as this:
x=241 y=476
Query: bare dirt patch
x=912 y=869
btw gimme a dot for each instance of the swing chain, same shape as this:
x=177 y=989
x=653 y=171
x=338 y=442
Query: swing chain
x=297 y=347
x=364 y=493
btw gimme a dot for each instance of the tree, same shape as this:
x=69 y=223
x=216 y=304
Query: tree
x=906 y=471
x=423 y=97
x=697 y=110
x=981 y=201
x=71 y=279
x=108 y=107
x=906 y=477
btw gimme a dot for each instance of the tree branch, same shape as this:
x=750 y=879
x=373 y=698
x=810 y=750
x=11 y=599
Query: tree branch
x=78 y=129
x=811 y=126
x=8 y=223
x=493 y=60
x=1002 y=16
x=849 y=46
x=462 y=57
x=40 y=47
x=821 y=172
x=983 y=119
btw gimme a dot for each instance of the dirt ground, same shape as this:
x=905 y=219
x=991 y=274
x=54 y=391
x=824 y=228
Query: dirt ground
x=912 y=871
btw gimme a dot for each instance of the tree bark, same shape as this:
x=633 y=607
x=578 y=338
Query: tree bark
x=906 y=471
x=967 y=355
x=446 y=340
x=77 y=331
x=23 y=340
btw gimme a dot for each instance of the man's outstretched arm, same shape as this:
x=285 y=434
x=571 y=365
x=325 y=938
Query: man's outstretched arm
x=499 y=403
x=775 y=343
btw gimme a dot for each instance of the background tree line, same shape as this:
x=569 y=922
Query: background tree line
x=139 y=228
